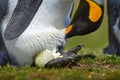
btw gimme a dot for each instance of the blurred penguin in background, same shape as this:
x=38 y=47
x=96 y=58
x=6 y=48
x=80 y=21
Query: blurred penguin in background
x=113 y=9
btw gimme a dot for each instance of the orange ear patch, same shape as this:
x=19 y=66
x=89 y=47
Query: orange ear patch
x=95 y=11
x=68 y=29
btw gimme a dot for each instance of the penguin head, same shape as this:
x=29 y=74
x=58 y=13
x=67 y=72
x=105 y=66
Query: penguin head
x=87 y=18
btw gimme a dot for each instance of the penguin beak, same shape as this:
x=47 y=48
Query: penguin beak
x=74 y=30
x=68 y=29
x=86 y=19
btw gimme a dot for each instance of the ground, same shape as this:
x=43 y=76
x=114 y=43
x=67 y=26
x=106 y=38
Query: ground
x=92 y=66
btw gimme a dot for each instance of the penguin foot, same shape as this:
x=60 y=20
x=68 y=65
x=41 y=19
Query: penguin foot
x=112 y=50
x=73 y=50
x=61 y=62
x=69 y=59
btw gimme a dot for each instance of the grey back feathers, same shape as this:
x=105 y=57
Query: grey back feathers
x=21 y=18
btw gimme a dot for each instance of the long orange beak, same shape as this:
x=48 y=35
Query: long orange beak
x=68 y=29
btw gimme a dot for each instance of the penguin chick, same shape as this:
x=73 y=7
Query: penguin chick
x=43 y=57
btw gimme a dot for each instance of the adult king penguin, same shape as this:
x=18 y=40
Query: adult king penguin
x=37 y=26
x=87 y=18
x=113 y=8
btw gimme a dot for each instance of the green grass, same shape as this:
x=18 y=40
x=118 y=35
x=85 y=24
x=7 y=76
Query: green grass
x=93 y=65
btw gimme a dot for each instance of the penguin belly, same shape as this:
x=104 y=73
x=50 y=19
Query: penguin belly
x=24 y=48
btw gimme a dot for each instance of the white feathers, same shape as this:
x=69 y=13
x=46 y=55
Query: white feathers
x=46 y=30
x=32 y=41
x=52 y=13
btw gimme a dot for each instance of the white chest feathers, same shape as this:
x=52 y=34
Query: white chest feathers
x=33 y=41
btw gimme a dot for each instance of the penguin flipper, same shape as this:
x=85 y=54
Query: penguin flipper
x=21 y=18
